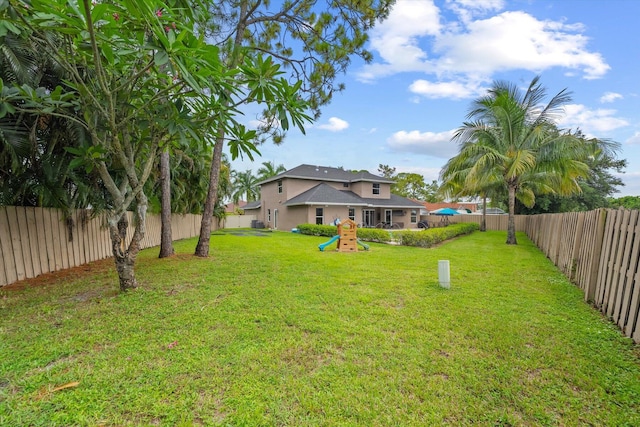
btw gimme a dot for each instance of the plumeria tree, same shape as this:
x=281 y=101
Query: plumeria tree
x=138 y=76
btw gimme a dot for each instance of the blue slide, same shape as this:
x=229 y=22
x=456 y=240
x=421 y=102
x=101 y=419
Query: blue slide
x=363 y=244
x=321 y=246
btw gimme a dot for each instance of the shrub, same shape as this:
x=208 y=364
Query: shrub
x=432 y=236
x=366 y=234
x=424 y=239
x=318 y=230
x=374 y=235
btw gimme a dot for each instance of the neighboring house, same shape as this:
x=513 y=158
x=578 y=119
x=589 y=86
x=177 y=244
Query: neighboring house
x=322 y=195
x=232 y=208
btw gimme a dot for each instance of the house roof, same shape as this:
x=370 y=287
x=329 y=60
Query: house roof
x=231 y=207
x=252 y=205
x=324 y=194
x=325 y=173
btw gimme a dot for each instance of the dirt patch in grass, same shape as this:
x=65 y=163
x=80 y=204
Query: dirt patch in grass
x=86 y=270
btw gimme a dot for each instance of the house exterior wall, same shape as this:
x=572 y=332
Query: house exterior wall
x=289 y=217
x=365 y=189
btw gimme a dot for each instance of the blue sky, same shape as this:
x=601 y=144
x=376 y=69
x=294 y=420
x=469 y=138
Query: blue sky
x=433 y=57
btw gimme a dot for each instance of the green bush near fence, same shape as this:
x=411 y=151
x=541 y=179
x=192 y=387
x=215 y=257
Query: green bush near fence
x=318 y=230
x=423 y=238
x=432 y=236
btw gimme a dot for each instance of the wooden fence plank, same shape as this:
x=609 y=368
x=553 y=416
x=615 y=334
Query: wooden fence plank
x=633 y=280
x=25 y=243
x=8 y=261
x=620 y=311
x=42 y=233
x=16 y=243
x=607 y=272
x=75 y=236
x=599 y=221
x=615 y=263
x=34 y=240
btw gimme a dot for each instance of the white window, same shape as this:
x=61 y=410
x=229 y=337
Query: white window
x=319 y=216
x=268 y=215
x=279 y=186
x=376 y=188
x=352 y=214
x=414 y=216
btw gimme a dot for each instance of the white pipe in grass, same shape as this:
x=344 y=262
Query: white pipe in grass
x=444 y=275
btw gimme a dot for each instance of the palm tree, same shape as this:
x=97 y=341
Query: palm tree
x=512 y=139
x=456 y=183
x=269 y=169
x=245 y=185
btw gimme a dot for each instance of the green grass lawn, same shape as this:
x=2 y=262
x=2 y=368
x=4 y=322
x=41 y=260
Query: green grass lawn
x=269 y=331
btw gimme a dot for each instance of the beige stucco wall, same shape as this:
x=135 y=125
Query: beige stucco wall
x=365 y=189
x=290 y=217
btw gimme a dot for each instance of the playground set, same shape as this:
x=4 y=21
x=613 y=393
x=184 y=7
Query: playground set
x=346 y=237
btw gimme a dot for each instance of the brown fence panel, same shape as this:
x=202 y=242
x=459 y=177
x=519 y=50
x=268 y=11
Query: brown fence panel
x=9 y=270
x=600 y=252
x=34 y=241
x=609 y=247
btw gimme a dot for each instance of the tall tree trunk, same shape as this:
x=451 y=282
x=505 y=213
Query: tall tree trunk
x=483 y=222
x=166 y=240
x=511 y=228
x=125 y=256
x=202 y=248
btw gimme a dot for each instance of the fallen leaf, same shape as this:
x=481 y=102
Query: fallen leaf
x=173 y=344
x=67 y=385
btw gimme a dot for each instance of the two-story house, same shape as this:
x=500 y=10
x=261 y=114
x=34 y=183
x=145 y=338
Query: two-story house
x=322 y=195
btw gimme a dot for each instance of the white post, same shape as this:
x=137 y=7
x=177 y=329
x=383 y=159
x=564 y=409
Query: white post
x=443 y=274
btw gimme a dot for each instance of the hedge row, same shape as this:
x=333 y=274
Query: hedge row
x=424 y=238
x=433 y=236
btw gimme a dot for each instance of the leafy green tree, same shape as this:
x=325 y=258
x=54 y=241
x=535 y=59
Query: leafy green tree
x=628 y=202
x=412 y=185
x=35 y=164
x=386 y=171
x=314 y=41
x=140 y=76
x=512 y=139
x=596 y=188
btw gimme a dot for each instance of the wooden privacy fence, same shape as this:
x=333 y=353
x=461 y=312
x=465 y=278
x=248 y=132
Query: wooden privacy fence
x=599 y=251
x=493 y=222
x=34 y=241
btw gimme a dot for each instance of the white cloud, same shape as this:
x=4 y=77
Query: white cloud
x=610 y=97
x=396 y=38
x=415 y=39
x=467 y=9
x=335 y=125
x=634 y=140
x=451 y=90
x=591 y=121
x=517 y=40
x=425 y=143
